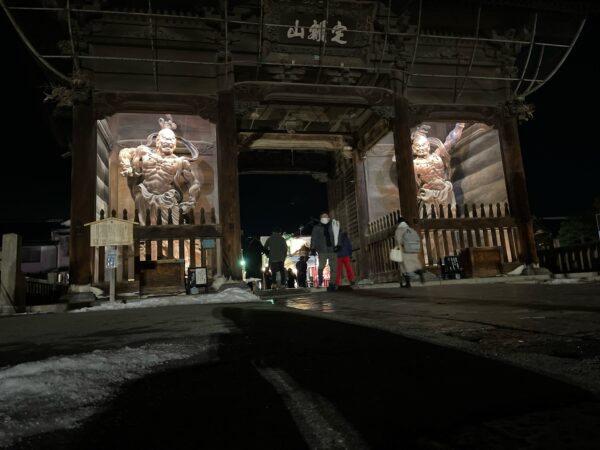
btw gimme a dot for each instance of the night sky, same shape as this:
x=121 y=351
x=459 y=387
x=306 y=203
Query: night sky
x=560 y=150
x=560 y=153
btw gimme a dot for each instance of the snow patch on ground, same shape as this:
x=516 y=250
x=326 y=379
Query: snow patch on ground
x=60 y=392
x=563 y=281
x=231 y=295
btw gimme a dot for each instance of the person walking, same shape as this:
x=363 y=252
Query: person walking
x=344 y=256
x=277 y=251
x=409 y=241
x=291 y=278
x=301 y=268
x=268 y=278
x=324 y=243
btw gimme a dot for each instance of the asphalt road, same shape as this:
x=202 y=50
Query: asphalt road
x=444 y=367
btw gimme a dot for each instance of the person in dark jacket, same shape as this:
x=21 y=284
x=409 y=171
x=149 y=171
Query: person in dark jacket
x=291 y=278
x=301 y=268
x=324 y=242
x=344 y=255
x=277 y=248
x=268 y=279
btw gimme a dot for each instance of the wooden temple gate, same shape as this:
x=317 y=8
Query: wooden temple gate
x=273 y=86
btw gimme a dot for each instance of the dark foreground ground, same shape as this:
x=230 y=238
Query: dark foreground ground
x=448 y=367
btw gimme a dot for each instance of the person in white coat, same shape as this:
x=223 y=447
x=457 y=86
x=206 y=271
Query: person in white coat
x=411 y=262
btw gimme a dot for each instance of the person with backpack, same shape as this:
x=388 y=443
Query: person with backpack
x=409 y=241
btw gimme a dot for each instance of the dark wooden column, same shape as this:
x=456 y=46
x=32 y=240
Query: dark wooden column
x=362 y=209
x=407 y=186
x=83 y=191
x=516 y=187
x=229 y=198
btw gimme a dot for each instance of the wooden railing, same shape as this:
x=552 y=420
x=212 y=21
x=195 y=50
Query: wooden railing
x=166 y=235
x=43 y=292
x=572 y=259
x=445 y=232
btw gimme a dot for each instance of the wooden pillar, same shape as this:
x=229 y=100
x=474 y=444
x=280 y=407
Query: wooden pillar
x=362 y=209
x=83 y=192
x=229 y=198
x=113 y=182
x=516 y=187
x=407 y=186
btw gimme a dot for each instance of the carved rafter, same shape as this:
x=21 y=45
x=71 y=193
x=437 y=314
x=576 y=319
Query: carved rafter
x=343 y=76
x=517 y=107
x=475 y=113
x=109 y=103
x=385 y=112
x=372 y=131
x=243 y=108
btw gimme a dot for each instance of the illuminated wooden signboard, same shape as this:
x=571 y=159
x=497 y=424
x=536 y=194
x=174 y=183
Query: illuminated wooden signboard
x=111 y=231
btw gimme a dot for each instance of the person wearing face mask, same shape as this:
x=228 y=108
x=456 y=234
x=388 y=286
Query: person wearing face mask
x=324 y=243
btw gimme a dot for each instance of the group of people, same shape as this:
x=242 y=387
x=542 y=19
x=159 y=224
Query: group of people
x=330 y=244
x=333 y=247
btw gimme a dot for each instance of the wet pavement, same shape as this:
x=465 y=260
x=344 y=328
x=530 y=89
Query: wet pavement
x=550 y=328
x=437 y=367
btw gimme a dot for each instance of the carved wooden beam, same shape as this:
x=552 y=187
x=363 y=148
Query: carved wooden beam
x=109 y=103
x=295 y=93
x=372 y=131
x=475 y=113
x=296 y=141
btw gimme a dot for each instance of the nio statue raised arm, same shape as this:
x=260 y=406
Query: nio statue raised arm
x=161 y=178
x=432 y=168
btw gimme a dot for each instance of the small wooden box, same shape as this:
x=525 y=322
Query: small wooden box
x=165 y=276
x=481 y=262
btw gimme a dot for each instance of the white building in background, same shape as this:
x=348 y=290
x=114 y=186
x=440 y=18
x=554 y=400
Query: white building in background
x=48 y=259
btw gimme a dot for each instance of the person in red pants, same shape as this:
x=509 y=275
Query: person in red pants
x=344 y=255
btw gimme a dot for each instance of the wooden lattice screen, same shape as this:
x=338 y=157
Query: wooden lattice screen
x=446 y=232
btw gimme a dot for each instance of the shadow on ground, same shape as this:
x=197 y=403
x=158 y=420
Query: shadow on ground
x=395 y=392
